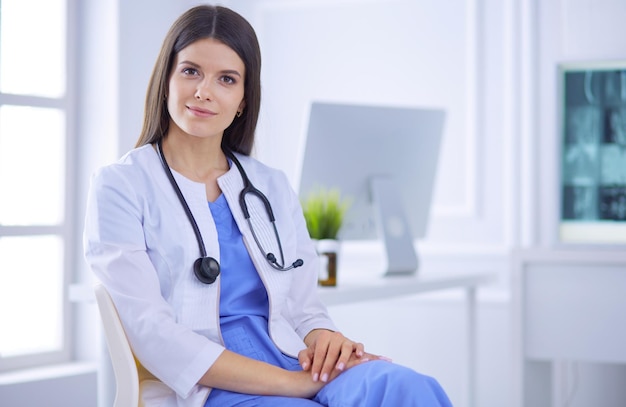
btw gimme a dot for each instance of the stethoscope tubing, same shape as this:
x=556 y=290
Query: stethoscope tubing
x=208 y=265
x=182 y=200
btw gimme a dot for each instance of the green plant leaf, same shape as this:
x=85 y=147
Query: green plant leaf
x=324 y=210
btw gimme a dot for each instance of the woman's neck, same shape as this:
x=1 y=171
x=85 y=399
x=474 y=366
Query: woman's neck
x=199 y=159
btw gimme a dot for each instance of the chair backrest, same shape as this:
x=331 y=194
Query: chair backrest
x=122 y=358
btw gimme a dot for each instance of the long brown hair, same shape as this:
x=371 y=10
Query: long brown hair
x=233 y=30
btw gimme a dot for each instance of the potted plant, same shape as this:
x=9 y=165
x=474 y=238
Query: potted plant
x=324 y=212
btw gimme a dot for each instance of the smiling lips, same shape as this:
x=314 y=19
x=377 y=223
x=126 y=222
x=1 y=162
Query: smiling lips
x=201 y=112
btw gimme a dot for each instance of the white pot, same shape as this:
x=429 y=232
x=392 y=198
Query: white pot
x=327 y=246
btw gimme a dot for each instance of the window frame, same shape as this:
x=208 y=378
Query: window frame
x=66 y=230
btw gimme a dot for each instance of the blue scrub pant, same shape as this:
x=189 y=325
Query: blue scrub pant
x=371 y=384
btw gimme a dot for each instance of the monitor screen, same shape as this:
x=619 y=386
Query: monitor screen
x=384 y=160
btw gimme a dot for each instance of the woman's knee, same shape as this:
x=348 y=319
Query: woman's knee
x=390 y=383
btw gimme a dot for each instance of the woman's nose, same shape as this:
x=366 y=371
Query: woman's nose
x=203 y=92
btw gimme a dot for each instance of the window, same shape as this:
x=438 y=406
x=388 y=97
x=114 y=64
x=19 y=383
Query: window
x=35 y=183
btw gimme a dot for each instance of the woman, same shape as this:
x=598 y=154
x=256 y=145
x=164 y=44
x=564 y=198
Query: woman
x=219 y=307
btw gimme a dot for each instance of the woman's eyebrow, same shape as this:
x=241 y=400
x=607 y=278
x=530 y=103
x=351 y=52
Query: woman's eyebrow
x=186 y=62
x=231 y=72
x=224 y=71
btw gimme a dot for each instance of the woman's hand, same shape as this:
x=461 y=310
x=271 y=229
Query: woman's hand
x=330 y=353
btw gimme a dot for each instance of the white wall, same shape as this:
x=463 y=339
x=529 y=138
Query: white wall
x=415 y=53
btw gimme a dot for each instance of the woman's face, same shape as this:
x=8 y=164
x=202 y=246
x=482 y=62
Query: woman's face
x=206 y=89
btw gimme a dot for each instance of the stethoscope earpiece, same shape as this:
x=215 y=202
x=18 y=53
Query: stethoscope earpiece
x=272 y=260
x=206 y=269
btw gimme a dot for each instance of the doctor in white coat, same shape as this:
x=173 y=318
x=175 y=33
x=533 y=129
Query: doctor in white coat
x=218 y=302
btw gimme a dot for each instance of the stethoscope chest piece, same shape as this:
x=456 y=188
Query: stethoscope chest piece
x=206 y=269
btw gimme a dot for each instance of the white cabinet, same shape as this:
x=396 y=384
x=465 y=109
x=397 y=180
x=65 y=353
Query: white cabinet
x=568 y=305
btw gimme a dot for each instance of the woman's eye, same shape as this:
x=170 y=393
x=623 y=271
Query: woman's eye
x=190 y=71
x=228 y=79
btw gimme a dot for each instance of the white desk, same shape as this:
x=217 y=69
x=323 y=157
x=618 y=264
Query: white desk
x=391 y=287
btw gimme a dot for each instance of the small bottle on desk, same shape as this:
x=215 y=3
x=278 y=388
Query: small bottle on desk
x=328 y=269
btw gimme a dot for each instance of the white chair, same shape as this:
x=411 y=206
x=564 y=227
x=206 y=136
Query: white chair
x=122 y=358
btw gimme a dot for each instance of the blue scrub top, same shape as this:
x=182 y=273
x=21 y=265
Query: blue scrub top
x=242 y=292
x=244 y=305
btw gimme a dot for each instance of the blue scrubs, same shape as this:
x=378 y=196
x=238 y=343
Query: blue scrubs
x=243 y=320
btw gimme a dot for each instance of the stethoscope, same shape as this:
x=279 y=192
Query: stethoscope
x=205 y=268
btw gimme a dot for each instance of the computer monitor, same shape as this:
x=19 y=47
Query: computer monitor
x=384 y=160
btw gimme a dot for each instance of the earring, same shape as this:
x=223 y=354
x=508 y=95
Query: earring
x=239 y=112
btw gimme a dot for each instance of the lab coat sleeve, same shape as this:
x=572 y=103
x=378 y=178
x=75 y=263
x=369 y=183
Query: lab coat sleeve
x=116 y=252
x=306 y=310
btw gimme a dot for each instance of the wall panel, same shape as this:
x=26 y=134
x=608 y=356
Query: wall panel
x=415 y=53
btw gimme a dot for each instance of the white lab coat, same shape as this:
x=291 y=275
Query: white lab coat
x=141 y=246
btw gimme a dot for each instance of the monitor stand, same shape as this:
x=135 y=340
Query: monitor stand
x=393 y=226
